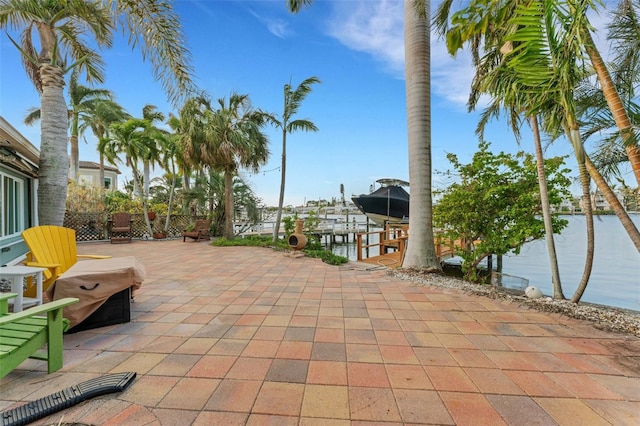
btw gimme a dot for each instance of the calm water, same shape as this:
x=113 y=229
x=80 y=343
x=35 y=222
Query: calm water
x=614 y=280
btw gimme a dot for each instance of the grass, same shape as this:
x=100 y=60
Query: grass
x=313 y=249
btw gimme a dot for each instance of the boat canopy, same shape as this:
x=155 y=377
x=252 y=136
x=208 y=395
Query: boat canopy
x=392 y=182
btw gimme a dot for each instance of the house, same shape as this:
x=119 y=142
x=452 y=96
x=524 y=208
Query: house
x=90 y=175
x=18 y=186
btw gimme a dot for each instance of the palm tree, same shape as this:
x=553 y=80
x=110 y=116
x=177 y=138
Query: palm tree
x=104 y=113
x=81 y=104
x=421 y=251
x=82 y=101
x=292 y=101
x=59 y=26
x=226 y=139
x=150 y=113
x=132 y=139
x=491 y=78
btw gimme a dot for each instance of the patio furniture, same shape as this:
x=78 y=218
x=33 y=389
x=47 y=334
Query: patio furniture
x=53 y=248
x=120 y=225
x=105 y=289
x=17 y=275
x=23 y=334
x=199 y=232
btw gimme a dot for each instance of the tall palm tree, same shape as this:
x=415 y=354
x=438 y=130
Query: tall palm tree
x=81 y=104
x=104 y=113
x=82 y=101
x=153 y=116
x=59 y=26
x=421 y=252
x=491 y=78
x=132 y=139
x=292 y=101
x=227 y=139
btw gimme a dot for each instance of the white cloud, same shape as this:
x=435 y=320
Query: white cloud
x=377 y=28
x=277 y=27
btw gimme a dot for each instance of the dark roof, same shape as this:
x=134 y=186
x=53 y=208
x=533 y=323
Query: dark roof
x=92 y=165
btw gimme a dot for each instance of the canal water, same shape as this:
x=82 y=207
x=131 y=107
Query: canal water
x=615 y=278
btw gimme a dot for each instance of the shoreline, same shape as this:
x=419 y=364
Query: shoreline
x=600 y=316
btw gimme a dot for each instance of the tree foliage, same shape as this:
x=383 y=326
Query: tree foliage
x=496 y=204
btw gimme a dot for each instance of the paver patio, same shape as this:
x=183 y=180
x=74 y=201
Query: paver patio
x=239 y=335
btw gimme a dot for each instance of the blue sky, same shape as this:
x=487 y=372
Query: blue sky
x=255 y=47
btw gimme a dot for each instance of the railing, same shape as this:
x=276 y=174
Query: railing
x=392 y=237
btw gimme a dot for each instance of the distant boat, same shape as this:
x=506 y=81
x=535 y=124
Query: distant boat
x=387 y=204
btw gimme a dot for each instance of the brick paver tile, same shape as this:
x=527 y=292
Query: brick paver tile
x=207 y=418
x=295 y=350
x=471 y=358
x=149 y=390
x=373 y=404
x=493 y=380
x=628 y=387
x=520 y=410
x=234 y=395
x=435 y=356
x=535 y=383
x=288 y=370
x=329 y=335
x=363 y=353
x=398 y=355
x=246 y=368
x=196 y=346
x=175 y=365
x=173 y=417
x=360 y=336
x=325 y=401
x=261 y=348
x=270 y=420
x=329 y=351
x=367 y=375
x=408 y=377
x=570 y=411
x=389 y=337
x=228 y=347
x=327 y=373
x=471 y=409
x=617 y=412
x=139 y=362
x=270 y=333
x=449 y=379
x=189 y=393
x=280 y=399
x=583 y=386
x=213 y=366
x=422 y=406
x=455 y=341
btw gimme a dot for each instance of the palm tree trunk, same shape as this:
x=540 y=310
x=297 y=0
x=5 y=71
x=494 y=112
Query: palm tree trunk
x=615 y=204
x=588 y=263
x=54 y=161
x=74 y=167
x=276 y=229
x=615 y=105
x=421 y=252
x=546 y=212
x=228 y=205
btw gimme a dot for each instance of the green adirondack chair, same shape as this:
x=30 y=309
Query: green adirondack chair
x=24 y=334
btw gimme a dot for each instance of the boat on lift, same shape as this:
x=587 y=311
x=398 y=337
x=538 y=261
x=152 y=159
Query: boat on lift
x=387 y=204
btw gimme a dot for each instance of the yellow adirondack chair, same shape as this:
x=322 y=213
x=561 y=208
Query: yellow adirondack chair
x=54 y=248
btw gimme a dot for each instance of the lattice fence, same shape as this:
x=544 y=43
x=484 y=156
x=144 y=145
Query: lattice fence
x=94 y=226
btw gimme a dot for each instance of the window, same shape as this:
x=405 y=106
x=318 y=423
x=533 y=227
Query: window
x=107 y=183
x=11 y=205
